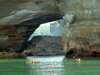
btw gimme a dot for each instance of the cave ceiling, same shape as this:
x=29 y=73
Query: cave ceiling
x=20 y=18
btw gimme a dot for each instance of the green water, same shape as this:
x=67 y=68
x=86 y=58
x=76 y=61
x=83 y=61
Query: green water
x=49 y=66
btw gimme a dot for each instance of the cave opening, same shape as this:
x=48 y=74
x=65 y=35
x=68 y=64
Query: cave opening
x=46 y=39
x=33 y=24
x=53 y=28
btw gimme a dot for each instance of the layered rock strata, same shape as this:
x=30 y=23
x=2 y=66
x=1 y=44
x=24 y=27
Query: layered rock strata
x=82 y=27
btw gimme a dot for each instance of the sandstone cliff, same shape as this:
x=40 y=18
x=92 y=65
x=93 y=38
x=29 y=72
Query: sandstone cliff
x=82 y=26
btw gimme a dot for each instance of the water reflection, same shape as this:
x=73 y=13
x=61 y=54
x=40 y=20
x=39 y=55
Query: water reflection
x=60 y=66
x=47 y=65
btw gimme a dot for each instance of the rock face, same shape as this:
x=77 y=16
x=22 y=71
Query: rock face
x=19 y=19
x=46 y=45
x=82 y=27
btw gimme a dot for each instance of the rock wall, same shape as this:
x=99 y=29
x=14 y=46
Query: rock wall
x=19 y=18
x=45 y=45
x=82 y=26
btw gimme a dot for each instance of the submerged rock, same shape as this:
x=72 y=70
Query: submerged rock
x=12 y=55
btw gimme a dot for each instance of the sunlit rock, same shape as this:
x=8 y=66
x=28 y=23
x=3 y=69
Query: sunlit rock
x=83 y=29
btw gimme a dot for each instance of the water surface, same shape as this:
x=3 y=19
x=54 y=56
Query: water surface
x=56 y=65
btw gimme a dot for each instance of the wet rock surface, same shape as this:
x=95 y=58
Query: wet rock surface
x=12 y=55
x=75 y=53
